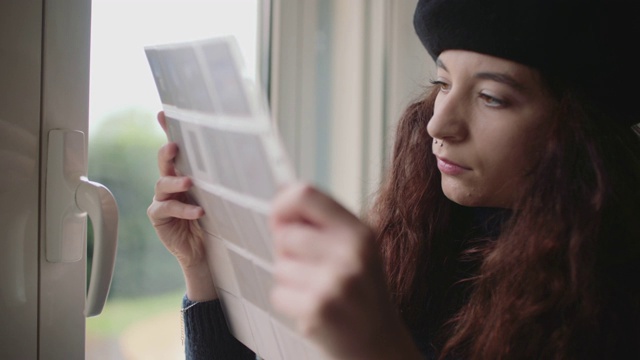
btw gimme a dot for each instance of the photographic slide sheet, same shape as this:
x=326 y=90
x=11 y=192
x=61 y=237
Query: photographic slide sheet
x=230 y=148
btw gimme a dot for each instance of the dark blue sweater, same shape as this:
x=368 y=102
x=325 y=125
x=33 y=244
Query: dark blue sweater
x=207 y=335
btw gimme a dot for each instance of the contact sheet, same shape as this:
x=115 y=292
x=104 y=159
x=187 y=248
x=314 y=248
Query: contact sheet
x=229 y=146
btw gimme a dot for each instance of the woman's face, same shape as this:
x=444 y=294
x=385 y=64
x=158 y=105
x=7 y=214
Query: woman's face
x=490 y=122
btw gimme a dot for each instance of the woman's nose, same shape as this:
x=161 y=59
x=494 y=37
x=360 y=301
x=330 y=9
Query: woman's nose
x=449 y=118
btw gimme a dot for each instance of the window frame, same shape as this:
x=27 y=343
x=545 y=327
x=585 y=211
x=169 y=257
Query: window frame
x=341 y=73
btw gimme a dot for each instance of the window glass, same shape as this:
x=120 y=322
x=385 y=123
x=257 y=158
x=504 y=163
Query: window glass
x=141 y=319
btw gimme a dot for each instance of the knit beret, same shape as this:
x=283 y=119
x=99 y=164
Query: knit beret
x=590 y=44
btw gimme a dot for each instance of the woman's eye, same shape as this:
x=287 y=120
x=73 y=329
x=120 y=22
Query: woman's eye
x=492 y=101
x=441 y=85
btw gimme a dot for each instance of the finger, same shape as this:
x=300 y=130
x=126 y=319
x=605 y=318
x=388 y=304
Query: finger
x=159 y=212
x=162 y=120
x=299 y=274
x=303 y=203
x=301 y=241
x=168 y=186
x=310 y=311
x=291 y=302
x=166 y=159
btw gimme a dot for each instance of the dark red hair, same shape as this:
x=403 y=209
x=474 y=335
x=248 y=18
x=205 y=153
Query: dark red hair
x=560 y=280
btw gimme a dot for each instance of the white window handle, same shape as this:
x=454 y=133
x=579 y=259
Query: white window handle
x=100 y=205
x=70 y=197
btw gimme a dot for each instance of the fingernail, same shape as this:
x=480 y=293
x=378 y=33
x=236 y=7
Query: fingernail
x=196 y=212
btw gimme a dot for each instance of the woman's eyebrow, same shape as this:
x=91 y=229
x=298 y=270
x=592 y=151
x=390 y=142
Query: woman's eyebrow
x=501 y=78
x=494 y=76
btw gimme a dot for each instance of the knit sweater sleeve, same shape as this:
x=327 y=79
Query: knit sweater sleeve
x=206 y=335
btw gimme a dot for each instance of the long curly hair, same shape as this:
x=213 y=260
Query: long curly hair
x=560 y=281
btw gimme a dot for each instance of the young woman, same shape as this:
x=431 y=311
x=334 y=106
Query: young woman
x=507 y=226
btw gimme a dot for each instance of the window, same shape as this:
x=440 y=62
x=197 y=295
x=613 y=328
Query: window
x=141 y=317
x=337 y=73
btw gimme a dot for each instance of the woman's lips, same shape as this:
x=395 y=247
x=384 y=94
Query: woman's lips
x=449 y=167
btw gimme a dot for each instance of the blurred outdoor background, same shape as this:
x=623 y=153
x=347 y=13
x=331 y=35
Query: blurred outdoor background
x=141 y=319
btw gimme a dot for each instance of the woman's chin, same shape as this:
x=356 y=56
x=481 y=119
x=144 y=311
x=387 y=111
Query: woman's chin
x=468 y=198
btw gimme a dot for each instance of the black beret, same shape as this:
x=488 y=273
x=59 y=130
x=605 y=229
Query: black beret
x=591 y=44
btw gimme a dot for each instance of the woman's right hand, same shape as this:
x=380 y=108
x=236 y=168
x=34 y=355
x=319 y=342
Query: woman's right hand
x=175 y=222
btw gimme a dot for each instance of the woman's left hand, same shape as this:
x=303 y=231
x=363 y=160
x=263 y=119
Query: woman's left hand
x=328 y=277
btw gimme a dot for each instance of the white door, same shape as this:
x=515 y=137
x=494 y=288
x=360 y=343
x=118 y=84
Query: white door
x=45 y=195
x=20 y=77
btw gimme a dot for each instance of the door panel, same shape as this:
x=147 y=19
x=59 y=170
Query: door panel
x=44 y=67
x=20 y=54
x=65 y=105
